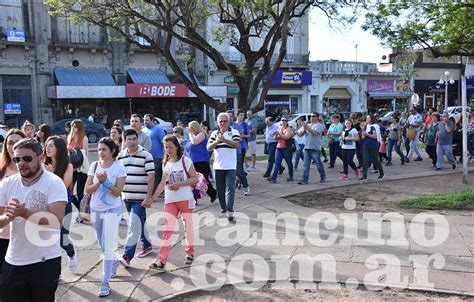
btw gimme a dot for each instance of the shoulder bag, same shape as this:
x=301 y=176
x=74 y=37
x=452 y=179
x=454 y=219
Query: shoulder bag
x=85 y=204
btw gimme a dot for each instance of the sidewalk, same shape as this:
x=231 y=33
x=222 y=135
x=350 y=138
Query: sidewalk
x=299 y=253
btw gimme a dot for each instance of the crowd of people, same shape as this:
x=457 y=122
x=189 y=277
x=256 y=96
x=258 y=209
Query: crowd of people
x=44 y=176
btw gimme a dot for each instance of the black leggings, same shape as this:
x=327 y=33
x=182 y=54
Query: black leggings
x=348 y=160
x=204 y=168
x=81 y=179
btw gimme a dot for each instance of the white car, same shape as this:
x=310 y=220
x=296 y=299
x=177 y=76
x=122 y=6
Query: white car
x=166 y=126
x=456 y=111
x=294 y=117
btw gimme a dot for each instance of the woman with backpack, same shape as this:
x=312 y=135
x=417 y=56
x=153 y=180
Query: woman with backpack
x=178 y=177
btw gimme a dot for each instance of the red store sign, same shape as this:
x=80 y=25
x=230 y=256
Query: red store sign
x=157 y=91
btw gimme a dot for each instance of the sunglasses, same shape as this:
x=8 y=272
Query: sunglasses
x=26 y=158
x=284 y=120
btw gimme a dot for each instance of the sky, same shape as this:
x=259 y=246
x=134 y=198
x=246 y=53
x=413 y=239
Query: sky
x=326 y=43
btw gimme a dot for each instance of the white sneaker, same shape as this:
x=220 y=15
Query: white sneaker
x=247 y=191
x=73 y=262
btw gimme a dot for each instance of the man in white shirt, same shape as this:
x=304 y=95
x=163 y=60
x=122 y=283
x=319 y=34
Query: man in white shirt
x=224 y=142
x=33 y=260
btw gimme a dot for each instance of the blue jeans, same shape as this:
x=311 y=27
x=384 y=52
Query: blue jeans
x=391 y=143
x=136 y=227
x=299 y=154
x=470 y=144
x=106 y=225
x=271 y=147
x=225 y=186
x=241 y=174
x=310 y=155
x=442 y=150
x=65 y=241
x=335 y=151
x=282 y=153
x=414 y=145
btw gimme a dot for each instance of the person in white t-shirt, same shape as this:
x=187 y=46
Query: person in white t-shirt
x=349 y=137
x=105 y=182
x=178 y=177
x=33 y=260
x=224 y=142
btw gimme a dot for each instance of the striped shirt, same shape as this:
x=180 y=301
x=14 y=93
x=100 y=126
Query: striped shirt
x=225 y=157
x=138 y=166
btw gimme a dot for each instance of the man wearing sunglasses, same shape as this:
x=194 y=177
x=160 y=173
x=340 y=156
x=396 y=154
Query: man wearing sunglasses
x=312 y=149
x=33 y=262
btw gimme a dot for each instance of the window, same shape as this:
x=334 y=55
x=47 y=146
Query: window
x=11 y=17
x=230 y=103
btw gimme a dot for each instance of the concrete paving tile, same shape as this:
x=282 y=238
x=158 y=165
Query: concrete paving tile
x=88 y=291
x=340 y=253
x=446 y=280
x=459 y=264
x=87 y=260
x=364 y=254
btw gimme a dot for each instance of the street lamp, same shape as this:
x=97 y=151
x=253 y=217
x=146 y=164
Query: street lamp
x=446 y=79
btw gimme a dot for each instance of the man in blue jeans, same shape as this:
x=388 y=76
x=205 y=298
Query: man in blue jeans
x=271 y=144
x=312 y=149
x=137 y=193
x=224 y=142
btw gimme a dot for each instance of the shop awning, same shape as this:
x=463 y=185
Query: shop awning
x=337 y=93
x=71 y=77
x=148 y=76
x=386 y=95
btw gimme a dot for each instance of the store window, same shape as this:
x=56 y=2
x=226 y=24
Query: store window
x=17 y=89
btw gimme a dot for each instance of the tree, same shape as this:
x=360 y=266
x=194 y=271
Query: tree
x=155 y=24
x=443 y=27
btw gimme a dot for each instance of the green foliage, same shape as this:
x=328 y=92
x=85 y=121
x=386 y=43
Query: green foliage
x=441 y=26
x=454 y=201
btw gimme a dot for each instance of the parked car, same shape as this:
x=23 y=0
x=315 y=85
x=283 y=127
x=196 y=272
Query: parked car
x=260 y=123
x=294 y=117
x=94 y=131
x=456 y=112
x=386 y=117
x=166 y=126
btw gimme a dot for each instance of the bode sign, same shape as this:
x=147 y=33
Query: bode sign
x=156 y=91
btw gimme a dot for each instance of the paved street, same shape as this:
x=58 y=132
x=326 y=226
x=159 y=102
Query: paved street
x=341 y=247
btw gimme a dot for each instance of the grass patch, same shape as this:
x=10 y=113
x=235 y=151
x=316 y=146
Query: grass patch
x=448 y=201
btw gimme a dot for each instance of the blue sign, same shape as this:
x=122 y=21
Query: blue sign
x=11 y=108
x=15 y=35
x=292 y=78
x=470 y=85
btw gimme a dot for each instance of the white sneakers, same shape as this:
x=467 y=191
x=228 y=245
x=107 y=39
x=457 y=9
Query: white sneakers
x=73 y=262
x=247 y=191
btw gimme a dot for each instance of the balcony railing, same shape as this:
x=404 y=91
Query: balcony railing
x=290 y=59
x=82 y=38
x=337 y=67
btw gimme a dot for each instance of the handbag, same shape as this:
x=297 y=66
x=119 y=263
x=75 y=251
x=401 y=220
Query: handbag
x=85 y=204
x=76 y=158
x=411 y=133
x=200 y=188
x=291 y=145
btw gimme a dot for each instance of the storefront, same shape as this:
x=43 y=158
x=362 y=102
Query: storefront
x=288 y=93
x=470 y=91
x=386 y=95
x=168 y=101
x=336 y=100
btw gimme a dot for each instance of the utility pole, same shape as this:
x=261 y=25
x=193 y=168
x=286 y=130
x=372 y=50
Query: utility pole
x=356 y=48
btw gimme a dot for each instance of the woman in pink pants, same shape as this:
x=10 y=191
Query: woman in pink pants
x=178 y=177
